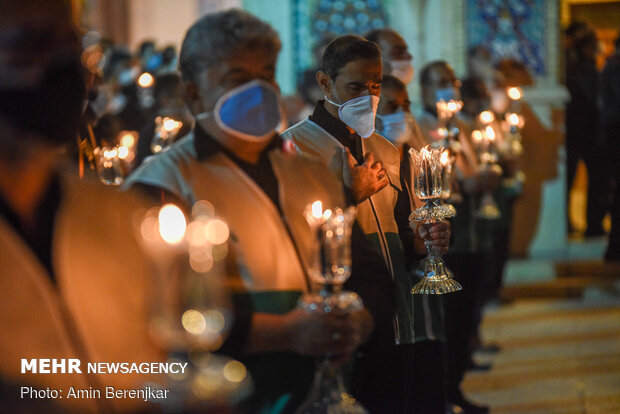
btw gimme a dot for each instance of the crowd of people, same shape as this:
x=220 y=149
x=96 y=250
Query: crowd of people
x=210 y=125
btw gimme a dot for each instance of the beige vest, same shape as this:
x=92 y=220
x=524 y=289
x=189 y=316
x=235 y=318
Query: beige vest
x=97 y=311
x=375 y=214
x=268 y=259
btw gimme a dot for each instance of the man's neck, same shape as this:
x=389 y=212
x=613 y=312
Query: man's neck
x=247 y=151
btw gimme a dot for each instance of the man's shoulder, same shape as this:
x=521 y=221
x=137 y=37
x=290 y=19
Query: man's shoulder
x=165 y=170
x=303 y=128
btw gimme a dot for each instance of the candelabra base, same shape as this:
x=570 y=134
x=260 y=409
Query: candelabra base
x=436 y=279
x=328 y=394
x=436 y=285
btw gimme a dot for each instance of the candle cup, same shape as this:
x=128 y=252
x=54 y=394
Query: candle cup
x=166 y=131
x=189 y=309
x=428 y=186
x=329 y=269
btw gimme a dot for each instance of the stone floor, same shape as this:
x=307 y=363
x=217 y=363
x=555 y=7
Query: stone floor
x=560 y=344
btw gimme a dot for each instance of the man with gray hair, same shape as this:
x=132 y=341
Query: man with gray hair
x=234 y=159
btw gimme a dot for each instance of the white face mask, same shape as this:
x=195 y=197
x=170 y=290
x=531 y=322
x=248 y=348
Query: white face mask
x=250 y=112
x=396 y=127
x=359 y=113
x=402 y=69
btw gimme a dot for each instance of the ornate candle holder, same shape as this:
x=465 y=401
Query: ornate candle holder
x=109 y=165
x=483 y=140
x=330 y=268
x=166 y=131
x=189 y=308
x=428 y=187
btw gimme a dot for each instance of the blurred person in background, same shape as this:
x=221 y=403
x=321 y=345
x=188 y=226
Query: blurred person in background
x=610 y=89
x=466 y=255
x=584 y=138
x=60 y=294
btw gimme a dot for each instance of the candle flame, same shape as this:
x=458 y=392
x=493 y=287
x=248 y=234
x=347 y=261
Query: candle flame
x=146 y=80
x=513 y=119
x=327 y=214
x=170 y=124
x=486 y=117
x=445 y=158
x=123 y=152
x=109 y=154
x=514 y=93
x=172 y=224
x=453 y=106
x=317 y=209
x=425 y=153
x=128 y=139
x=490 y=133
x=476 y=135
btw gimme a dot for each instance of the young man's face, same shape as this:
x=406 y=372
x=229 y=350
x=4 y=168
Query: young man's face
x=393 y=100
x=357 y=78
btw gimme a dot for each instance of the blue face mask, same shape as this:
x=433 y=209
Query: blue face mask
x=250 y=112
x=446 y=94
x=396 y=127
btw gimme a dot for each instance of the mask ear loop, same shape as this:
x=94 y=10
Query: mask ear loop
x=332 y=102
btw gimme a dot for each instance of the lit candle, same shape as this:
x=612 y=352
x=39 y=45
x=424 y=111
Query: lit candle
x=514 y=93
x=486 y=117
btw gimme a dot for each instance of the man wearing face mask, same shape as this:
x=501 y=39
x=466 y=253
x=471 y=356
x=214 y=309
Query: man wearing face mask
x=234 y=159
x=61 y=296
x=394 y=53
x=341 y=132
x=439 y=83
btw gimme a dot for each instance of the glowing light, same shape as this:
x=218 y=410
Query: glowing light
x=453 y=106
x=170 y=124
x=128 y=139
x=476 y=135
x=203 y=208
x=486 y=117
x=201 y=261
x=490 y=133
x=146 y=80
x=216 y=322
x=235 y=371
x=445 y=158
x=123 y=152
x=193 y=322
x=172 y=224
x=327 y=214
x=317 y=209
x=514 y=93
x=109 y=154
x=216 y=231
x=426 y=154
x=513 y=119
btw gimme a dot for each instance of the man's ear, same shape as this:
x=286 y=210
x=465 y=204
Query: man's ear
x=192 y=97
x=324 y=82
